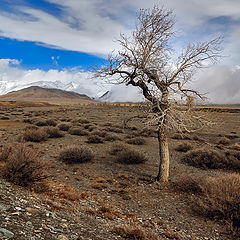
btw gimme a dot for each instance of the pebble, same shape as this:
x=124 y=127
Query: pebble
x=33 y=210
x=6 y=233
x=62 y=237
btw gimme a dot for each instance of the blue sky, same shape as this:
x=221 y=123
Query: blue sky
x=70 y=35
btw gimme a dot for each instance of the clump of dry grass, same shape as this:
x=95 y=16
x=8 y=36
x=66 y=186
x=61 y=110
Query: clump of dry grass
x=116 y=148
x=180 y=136
x=78 y=132
x=94 y=139
x=148 y=132
x=136 y=141
x=111 y=137
x=23 y=165
x=184 y=147
x=64 y=126
x=100 y=133
x=211 y=159
x=53 y=132
x=51 y=122
x=81 y=120
x=133 y=232
x=217 y=197
x=6 y=150
x=34 y=135
x=130 y=156
x=76 y=155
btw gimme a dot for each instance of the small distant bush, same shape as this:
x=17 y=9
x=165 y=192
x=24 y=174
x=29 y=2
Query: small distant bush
x=147 y=132
x=80 y=120
x=136 y=141
x=64 y=126
x=53 y=132
x=116 y=148
x=113 y=129
x=100 y=133
x=180 y=136
x=23 y=166
x=224 y=141
x=78 y=131
x=130 y=156
x=76 y=155
x=94 y=139
x=211 y=159
x=40 y=123
x=51 y=122
x=184 y=147
x=34 y=135
x=111 y=137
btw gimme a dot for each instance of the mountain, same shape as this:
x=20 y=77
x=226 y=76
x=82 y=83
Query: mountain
x=36 y=93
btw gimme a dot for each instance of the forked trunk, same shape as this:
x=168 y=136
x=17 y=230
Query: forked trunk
x=163 y=172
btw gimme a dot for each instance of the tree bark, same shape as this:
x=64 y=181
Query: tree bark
x=163 y=172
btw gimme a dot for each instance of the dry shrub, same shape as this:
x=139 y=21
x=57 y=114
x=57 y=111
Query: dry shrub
x=80 y=120
x=132 y=232
x=23 y=166
x=40 y=123
x=111 y=137
x=136 y=141
x=64 y=126
x=211 y=159
x=5 y=153
x=224 y=141
x=78 y=132
x=51 y=122
x=76 y=155
x=53 y=132
x=34 y=135
x=94 y=139
x=184 y=147
x=130 y=156
x=221 y=199
x=114 y=129
x=180 y=136
x=116 y=148
x=147 y=132
x=100 y=133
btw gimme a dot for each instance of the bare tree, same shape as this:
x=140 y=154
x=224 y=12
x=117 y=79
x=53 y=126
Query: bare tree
x=146 y=61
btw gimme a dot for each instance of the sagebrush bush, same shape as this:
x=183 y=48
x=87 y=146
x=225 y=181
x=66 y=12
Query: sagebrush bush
x=221 y=199
x=34 y=135
x=81 y=120
x=76 y=155
x=94 y=139
x=214 y=197
x=51 y=122
x=111 y=137
x=23 y=166
x=116 y=148
x=184 y=147
x=211 y=159
x=136 y=141
x=64 y=126
x=53 y=132
x=78 y=132
x=5 y=151
x=100 y=133
x=130 y=156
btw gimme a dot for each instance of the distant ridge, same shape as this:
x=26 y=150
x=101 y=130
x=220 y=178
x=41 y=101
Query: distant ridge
x=40 y=94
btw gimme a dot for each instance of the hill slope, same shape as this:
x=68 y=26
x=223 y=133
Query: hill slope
x=35 y=93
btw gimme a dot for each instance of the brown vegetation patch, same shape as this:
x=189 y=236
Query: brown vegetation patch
x=76 y=155
x=34 y=135
x=23 y=166
x=130 y=156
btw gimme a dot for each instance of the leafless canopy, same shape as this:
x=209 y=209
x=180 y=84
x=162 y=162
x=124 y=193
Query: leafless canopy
x=146 y=60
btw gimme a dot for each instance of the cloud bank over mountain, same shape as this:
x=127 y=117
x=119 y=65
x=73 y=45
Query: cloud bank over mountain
x=219 y=82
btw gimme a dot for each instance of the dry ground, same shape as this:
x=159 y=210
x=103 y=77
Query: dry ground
x=100 y=198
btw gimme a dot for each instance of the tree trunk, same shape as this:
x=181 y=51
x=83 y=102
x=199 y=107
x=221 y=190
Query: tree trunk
x=163 y=172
